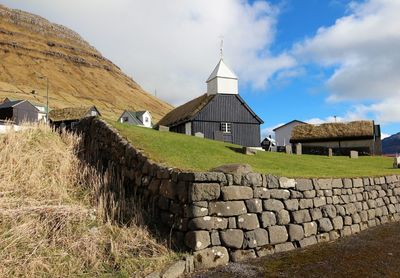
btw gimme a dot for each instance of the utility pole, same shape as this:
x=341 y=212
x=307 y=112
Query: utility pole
x=47 y=96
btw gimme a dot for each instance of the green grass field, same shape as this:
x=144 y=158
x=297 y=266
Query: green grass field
x=192 y=153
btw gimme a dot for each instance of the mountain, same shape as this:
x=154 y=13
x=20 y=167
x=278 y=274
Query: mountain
x=391 y=145
x=31 y=46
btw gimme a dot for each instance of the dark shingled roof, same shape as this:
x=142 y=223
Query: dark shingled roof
x=70 y=113
x=186 y=111
x=9 y=104
x=356 y=129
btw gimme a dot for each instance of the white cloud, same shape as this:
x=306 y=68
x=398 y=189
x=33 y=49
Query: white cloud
x=172 y=46
x=265 y=132
x=363 y=47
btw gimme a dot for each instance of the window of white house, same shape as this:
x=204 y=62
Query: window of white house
x=146 y=120
x=226 y=127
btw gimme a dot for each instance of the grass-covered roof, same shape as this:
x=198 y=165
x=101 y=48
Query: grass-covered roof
x=356 y=129
x=69 y=113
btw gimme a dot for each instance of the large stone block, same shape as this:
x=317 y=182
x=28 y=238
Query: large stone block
x=208 y=223
x=301 y=216
x=268 y=219
x=322 y=184
x=255 y=238
x=306 y=203
x=191 y=211
x=254 y=205
x=277 y=234
x=236 y=192
x=204 y=191
x=308 y=241
x=211 y=257
x=283 y=217
x=282 y=194
x=248 y=221
x=337 y=223
x=228 y=208
x=172 y=190
x=232 y=238
x=287 y=183
x=284 y=247
x=319 y=201
x=197 y=240
x=272 y=181
x=296 y=232
x=262 y=193
x=242 y=255
x=292 y=204
x=273 y=205
x=328 y=211
x=304 y=184
x=252 y=179
x=310 y=229
x=325 y=225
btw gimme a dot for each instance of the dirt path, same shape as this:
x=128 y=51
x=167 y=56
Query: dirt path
x=372 y=253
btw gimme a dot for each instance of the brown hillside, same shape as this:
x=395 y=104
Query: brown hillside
x=78 y=74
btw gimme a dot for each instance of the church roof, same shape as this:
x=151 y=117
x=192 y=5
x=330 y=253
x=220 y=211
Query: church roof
x=186 y=111
x=222 y=70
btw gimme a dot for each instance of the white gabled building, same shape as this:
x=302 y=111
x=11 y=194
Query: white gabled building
x=140 y=118
x=283 y=133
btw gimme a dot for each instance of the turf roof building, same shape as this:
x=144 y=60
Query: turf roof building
x=220 y=114
x=68 y=117
x=140 y=118
x=361 y=136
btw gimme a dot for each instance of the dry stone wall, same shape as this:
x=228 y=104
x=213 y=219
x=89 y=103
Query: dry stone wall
x=238 y=214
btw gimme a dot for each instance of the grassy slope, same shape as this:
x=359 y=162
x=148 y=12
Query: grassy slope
x=50 y=225
x=191 y=153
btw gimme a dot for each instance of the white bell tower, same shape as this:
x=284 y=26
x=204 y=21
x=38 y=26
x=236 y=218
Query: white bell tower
x=222 y=80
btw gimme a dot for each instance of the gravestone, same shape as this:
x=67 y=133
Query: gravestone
x=353 y=154
x=330 y=152
x=163 y=128
x=396 y=163
x=219 y=136
x=249 y=151
x=199 y=134
x=299 y=149
x=288 y=149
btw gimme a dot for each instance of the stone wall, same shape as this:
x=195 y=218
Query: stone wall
x=236 y=214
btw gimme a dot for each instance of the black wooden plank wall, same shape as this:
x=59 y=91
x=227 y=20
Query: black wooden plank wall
x=226 y=108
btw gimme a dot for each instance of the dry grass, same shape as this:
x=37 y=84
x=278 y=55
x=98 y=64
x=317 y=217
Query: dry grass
x=48 y=224
x=333 y=130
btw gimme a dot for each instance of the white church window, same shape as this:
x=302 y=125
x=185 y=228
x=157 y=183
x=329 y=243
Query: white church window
x=226 y=127
x=146 y=120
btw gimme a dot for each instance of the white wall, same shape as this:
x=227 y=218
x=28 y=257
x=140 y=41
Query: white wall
x=221 y=85
x=148 y=115
x=7 y=128
x=283 y=134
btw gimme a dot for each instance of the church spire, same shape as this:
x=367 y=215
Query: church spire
x=222 y=80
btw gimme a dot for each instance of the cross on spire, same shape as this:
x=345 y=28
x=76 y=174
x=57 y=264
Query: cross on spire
x=221 y=49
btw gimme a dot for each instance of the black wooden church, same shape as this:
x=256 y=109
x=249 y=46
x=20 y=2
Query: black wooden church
x=220 y=114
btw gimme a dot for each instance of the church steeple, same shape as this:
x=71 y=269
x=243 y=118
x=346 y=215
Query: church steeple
x=222 y=80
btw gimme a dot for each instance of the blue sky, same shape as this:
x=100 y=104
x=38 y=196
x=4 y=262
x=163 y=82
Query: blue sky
x=308 y=60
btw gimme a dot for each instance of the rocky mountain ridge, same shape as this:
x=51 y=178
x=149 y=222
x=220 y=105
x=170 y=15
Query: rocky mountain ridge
x=391 y=144
x=32 y=47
